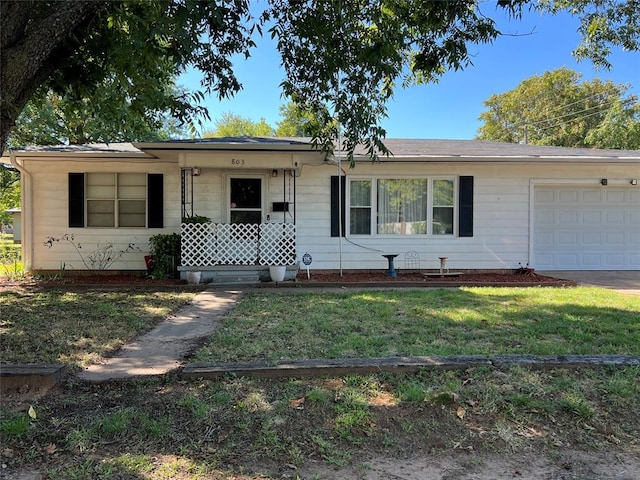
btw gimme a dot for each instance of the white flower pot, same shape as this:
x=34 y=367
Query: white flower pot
x=193 y=277
x=277 y=273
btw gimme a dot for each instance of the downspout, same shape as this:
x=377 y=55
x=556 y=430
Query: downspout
x=27 y=214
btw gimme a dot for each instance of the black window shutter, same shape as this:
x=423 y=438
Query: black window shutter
x=155 y=200
x=465 y=203
x=338 y=206
x=76 y=200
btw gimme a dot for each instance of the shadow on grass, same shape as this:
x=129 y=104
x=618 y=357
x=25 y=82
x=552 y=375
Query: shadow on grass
x=427 y=322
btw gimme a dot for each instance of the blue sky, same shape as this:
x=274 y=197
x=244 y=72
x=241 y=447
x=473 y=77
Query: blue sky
x=450 y=108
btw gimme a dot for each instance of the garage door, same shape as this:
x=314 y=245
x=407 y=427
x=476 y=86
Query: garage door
x=586 y=228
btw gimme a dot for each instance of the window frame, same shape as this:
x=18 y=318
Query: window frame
x=429 y=207
x=116 y=199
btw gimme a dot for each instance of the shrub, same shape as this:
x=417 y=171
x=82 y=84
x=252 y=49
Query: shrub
x=165 y=250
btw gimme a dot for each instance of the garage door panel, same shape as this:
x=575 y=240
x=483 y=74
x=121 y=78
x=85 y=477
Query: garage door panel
x=545 y=218
x=568 y=196
x=616 y=197
x=568 y=217
x=591 y=261
x=586 y=228
x=615 y=218
x=592 y=218
x=591 y=238
x=592 y=196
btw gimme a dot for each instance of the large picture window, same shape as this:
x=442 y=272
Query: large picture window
x=402 y=206
x=115 y=200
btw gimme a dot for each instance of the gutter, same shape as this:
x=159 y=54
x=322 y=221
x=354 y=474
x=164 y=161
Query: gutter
x=27 y=213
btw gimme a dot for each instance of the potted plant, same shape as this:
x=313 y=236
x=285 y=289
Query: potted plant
x=277 y=272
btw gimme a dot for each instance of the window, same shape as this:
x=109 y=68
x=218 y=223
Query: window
x=115 y=200
x=245 y=200
x=402 y=206
x=360 y=207
x=443 y=205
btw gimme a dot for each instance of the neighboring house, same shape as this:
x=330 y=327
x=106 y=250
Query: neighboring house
x=484 y=205
x=15 y=228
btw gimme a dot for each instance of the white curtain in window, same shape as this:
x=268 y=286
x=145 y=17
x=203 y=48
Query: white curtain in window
x=402 y=206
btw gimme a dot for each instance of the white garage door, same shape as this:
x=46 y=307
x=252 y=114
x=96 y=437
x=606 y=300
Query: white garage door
x=586 y=228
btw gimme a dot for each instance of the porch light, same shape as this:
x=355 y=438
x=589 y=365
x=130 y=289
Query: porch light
x=274 y=173
x=604 y=182
x=195 y=171
x=634 y=181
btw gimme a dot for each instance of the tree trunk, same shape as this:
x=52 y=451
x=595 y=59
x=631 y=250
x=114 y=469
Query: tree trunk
x=34 y=42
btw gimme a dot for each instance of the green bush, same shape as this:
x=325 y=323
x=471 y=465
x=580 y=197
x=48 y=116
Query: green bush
x=165 y=251
x=196 y=219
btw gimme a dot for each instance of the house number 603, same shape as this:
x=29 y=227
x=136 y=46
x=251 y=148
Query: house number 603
x=237 y=161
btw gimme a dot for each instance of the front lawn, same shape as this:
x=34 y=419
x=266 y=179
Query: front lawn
x=77 y=327
x=545 y=321
x=230 y=428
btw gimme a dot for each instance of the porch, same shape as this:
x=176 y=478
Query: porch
x=237 y=252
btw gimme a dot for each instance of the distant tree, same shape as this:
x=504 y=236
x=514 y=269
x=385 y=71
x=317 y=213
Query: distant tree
x=557 y=109
x=619 y=129
x=9 y=192
x=67 y=118
x=296 y=121
x=232 y=125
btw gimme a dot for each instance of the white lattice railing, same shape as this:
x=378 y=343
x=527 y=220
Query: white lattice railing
x=209 y=244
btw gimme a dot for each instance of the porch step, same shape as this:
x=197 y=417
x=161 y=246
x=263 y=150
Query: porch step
x=234 y=278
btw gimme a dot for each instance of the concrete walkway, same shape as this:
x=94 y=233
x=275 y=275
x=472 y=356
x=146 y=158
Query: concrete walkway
x=164 y=348
x=624 y=281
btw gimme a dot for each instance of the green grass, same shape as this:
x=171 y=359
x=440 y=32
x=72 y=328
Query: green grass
x=77 y=328
x=163 y=428
x=11 y=266
x=272 y=327
x=166 y=428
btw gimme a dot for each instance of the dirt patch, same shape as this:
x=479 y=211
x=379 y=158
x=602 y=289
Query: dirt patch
x=470 y=465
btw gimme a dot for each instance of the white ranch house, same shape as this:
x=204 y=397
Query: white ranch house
x=483 y=205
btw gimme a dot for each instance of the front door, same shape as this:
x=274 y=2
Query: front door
x=245 y=200
x=238 y=240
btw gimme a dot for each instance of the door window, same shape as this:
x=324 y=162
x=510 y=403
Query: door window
x=245 y=200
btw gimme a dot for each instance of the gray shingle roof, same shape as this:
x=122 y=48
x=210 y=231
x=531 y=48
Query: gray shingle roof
x=414 y=149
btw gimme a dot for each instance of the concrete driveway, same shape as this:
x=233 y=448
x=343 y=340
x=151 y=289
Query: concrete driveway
x=621 y=281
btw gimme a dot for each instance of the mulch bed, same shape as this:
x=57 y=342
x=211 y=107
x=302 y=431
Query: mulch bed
x=419 y=278
x=316 y=279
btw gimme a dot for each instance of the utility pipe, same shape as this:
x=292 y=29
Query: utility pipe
x=27 y=213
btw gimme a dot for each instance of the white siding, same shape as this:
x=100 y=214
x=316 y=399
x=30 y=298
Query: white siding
x=503 y=207
x=50 y=210
x=502 y=204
